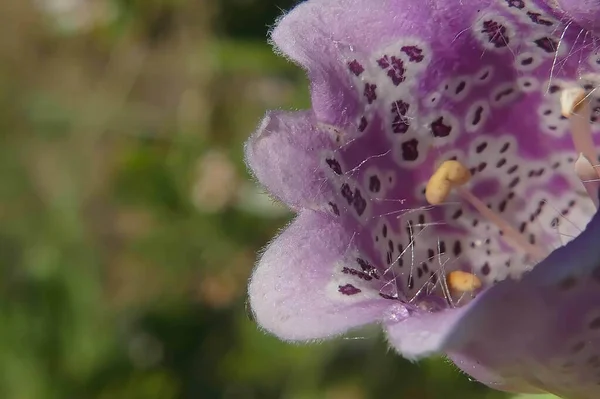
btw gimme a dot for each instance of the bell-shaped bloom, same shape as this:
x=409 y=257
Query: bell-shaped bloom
x=440 y=186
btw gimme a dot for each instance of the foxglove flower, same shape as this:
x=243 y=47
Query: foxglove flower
x=444 y=185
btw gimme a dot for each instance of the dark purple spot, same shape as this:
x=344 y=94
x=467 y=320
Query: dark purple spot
x=355 y=67
x=348 y=289
x=414 y=53
x=512 y=169
x=347 y=193
x=514 y=182
x=552 y=89
x=547 y=112
x=477 y=115
x=439 y=128
x=367 y=268
x=536 y=18
x=334 y=165
x=457 y=214
x=554 y=223
x=595 y=324
x=401 y=251
x=481 y=167
x=391 y=246
x=386 y=296
x=434 y=278
x=527 y=61
x=374 y=184
x=485 y=75
x=501 y=163
x=457 y=248
x=479 y=149
x=486 y=269
x=567 y=283
x=400 y=124
x=359 y=203
x=532 y=239
x=363 y=124
x=334 y=208
x=461 y=86
x=502 y=206
x=369 y=92
x=504 y=148
x=442 y=247
x=357 y=273
x=410 y=150
x=523 y=227
x=384 y=230
x=395 y=68
x=504 y=93
x=430 y=253
x=520 y=4
x=496 y=33
x=547 y=44
x=419 y=272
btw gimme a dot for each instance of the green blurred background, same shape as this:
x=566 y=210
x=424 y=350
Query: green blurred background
x=129 y=225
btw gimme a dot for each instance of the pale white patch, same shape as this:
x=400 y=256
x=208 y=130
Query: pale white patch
x=528 y=61
x=593 y=60
x=528 y=84
x=433 y=99
x=368 y=289
x=552 y=121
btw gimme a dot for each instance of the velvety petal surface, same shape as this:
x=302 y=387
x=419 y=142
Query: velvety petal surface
x=299 y=290
x=284 y=154
x=476 y=82
x=544 y=330
x=405 y=87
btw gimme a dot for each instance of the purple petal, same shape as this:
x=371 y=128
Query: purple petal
x=544 y=330
x=297 y=291
x=285 y=154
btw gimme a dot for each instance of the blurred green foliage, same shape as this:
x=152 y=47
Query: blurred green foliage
x=129 y=225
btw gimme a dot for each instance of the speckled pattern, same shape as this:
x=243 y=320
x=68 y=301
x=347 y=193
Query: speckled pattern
x=396 y=90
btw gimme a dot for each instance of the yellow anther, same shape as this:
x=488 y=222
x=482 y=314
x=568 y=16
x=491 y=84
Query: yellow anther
x=450 y=174
x=459 y=281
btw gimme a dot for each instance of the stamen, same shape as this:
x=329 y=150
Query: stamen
x=589 y=177
x=576 y=107
x=450 y=174
x=463 y=282
x=453 y=174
